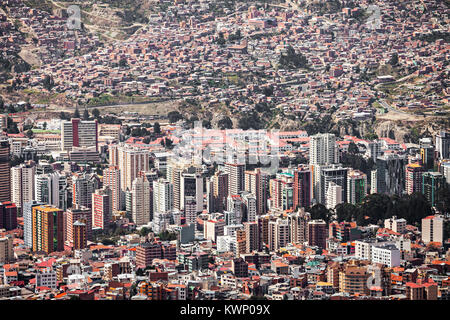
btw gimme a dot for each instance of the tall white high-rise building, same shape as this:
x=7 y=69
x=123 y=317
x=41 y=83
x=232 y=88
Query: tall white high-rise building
x=162 y=196
x=256 y=183
x=235 y=209
x=236 y=177
x=52 y=189
x=298 y=224
x=433 y=229
x=278 y=234
x=22 y=184
x=373 y=181
x=111 y=178
x=175 y=169
x=323 y=149
x=140 y=197
x=334 y=195
x=323 y=152
x=83 y=186
x=131 y=162
x=445 y=168
x=28 y=222
x=443 y=144
x=250 y=206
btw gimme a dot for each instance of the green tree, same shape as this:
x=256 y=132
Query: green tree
x=48 y=82
x=167 y=236
x=167 y=143
x=346 y=212
x=225 y=123
x=96 y=113
x=353 y=148
x=206 y=124
x=11 y=126
x=174 y=116
x=443 y=198
x=293 y=60
x=319 y=211
x=76 y=114
x=157 y=128
x=123 y=63
x=144 y=232
x=29 y=134
x=375 y=207
x=394 y=59
x=86 y=114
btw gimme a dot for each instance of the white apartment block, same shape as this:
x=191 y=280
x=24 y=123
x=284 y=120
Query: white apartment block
x=378 y=252
x=334 y=195
x=46 y=278
x=250 y=206
x=6 y=250
x=162 y=195
x=236 y=177
x=323 y=149
x=387 y=254
x=131 y=162
x=278 y=234
x=396 y=225
x=140 y=198
x=213 y=229
x=111 y=178
x=22 y=184
x=224 y=243
x=433 y=229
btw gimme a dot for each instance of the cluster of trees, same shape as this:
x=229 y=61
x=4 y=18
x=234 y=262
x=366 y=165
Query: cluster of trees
x=434 y=35
x=319 y=125
x=107 y=236
x=268 y=91
x=413 y=136
x=15 y=161
x=251 y=120
x=326 y=7
x=48 y=82
x=167 y=236
x=144 y=232
x=11 y=126
x=221 y=40
x=107 y=119
x=11 y=108
x=139 y=132
x=225 y=123
x=394 y=59
x=167 y=143
x=174 y=116
x=235 y=36
x=377 y=207
x=353 y=159
x=293 y=60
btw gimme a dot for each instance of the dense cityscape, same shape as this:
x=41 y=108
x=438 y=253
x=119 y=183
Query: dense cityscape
x=224 y=150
